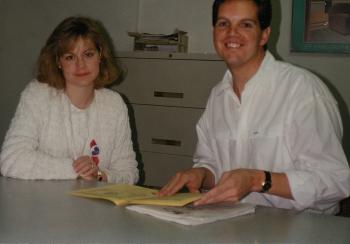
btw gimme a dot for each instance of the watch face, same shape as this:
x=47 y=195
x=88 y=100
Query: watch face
x=266 y=186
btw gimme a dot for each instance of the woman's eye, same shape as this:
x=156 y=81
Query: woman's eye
x=68 y=57
x=90 y=54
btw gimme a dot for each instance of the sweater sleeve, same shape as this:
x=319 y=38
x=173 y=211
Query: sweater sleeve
x=123 y=166
x=20 y=156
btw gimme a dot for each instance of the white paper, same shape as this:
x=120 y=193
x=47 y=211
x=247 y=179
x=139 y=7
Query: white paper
x=190 y=215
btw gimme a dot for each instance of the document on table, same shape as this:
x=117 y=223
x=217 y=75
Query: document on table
x=190 y=215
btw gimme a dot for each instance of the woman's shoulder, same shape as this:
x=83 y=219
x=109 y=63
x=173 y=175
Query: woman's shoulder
x=110 y=97
x=38 y=88
x=111 y=102
x=36 y=85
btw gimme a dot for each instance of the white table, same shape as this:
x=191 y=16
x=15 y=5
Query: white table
x=42 y=212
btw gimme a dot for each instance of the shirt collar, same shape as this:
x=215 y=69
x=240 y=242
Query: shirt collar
x=260 y=77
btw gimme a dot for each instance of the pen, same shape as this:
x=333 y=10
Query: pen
x=95 y=151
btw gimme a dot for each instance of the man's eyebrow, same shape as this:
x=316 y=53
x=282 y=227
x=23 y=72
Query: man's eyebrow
x=222 y=18
x=244 y=19
x=250 y=20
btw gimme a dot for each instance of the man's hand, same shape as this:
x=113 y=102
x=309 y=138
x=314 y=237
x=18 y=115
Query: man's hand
x=233 y=186
x=192 y=178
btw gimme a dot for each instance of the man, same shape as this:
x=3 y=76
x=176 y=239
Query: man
x=271 y=132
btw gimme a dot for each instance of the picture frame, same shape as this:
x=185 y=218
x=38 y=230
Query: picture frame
x=321 y=26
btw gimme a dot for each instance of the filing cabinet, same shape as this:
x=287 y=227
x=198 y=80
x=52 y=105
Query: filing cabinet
x=166 y=94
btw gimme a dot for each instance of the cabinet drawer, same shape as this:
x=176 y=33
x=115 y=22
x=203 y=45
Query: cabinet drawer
x=166 y=129
x=159 y=168
x=170 y=82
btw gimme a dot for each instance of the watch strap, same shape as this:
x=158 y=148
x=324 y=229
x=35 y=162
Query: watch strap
x=266 y=185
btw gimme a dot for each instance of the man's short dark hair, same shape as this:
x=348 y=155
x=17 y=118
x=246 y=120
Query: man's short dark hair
x=264 y=12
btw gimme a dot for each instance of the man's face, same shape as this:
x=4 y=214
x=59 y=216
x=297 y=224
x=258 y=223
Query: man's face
x=238 y=38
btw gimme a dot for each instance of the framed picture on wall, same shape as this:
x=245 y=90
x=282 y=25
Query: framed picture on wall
x=321 y=26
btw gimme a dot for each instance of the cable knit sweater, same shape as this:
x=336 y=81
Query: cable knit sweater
x=42 y=142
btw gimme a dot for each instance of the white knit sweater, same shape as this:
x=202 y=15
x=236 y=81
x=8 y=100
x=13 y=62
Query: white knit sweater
x=41 y=142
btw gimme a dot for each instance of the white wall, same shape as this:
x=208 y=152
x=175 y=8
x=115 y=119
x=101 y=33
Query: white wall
x=193 y=16
x=25 y=25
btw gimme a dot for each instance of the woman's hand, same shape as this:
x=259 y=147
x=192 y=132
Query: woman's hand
x=85 y=168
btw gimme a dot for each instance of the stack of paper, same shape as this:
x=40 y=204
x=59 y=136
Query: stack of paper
x=175 y=42
x=189 y=215
x=175 y=208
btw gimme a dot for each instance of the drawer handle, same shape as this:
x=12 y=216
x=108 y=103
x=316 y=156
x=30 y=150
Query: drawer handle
x=169 y=94
x=166 y=142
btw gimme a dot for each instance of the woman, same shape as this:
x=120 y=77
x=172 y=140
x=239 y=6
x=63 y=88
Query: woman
x=67 y=125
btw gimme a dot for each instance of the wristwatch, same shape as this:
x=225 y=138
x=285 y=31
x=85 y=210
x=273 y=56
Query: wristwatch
x=266 y=185
x=99 y=175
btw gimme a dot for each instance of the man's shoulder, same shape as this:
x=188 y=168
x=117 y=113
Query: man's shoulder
x=292 y=73
x=300 y=81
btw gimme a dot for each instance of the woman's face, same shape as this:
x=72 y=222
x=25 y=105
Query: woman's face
x=81 y=64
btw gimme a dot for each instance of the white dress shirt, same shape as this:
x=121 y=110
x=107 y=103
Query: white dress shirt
x=287 y=121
